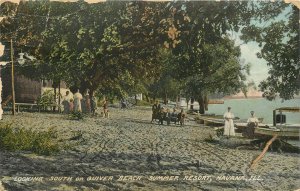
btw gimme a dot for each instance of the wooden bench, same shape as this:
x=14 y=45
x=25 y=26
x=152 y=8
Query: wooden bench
x=52 y=106
x=32 y=105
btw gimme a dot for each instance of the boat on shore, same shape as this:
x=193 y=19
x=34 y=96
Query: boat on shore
x=279 y=126
x=210 y=120
x=216 y=120
x=285 y=132
x=264 y=135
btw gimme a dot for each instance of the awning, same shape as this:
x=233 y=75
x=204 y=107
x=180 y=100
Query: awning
x=288 y=109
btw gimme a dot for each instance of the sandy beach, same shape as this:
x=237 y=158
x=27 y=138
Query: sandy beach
x=127 y=152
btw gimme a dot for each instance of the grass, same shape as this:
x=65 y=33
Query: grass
x=143 y=103
x=17 y=139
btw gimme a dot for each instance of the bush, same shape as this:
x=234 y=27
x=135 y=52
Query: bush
x=46 y=99
x=143 y=103
x=76 y=115
x=16 y=139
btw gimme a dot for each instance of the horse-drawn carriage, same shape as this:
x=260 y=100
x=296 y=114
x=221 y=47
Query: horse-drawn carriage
x=163 y=114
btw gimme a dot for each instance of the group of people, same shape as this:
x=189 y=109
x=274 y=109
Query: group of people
x=163 y=113
x=81 y=103
x=229 y=129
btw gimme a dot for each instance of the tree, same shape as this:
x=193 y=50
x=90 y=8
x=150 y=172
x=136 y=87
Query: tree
x=216 y=69
x=207 y=60
x=89 y=45
x=165 y=85
x=279 y=39
x=114 y=46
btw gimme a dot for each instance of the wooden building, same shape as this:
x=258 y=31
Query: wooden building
x=26 y=89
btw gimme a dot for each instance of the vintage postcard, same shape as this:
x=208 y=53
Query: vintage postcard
x=149 y=95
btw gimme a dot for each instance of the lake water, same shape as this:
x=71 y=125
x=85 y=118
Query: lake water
x=262 y=107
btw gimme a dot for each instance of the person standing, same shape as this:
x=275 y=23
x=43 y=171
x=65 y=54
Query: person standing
x=174 y=116
x=180 y=117
x=105 y=108
x=252 y=123
x=123 y=103
x=93 y=103
x=155 y=111
x=71 y=105
x=87 y=101
x=66 y=102
x=229 y=126
x=83 y=106
x=162 y=115
x=77 y=101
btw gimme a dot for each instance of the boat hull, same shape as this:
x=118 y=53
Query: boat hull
x=282 y=132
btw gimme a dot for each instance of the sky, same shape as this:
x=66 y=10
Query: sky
x=258 y=69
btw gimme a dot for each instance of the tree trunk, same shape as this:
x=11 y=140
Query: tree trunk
x=187 y=102
x=84 y=86
x=54 y=98
x=91 y=93
x=192 y=103
x=92 y=90
x=59 y=110
x=166 y=98
x=147 y=97
x=179 y=101
x=201 y=104
x=206 y=102
x=135 y=99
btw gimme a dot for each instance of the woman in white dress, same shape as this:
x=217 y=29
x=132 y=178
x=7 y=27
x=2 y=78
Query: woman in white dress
x=252 y=123
x=77 y=101
x=252 y=119
x=229 y=126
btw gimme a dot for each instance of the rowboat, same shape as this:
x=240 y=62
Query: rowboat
x=211 y=120
x=288 y=131
x=285 y=133
x=279 y=126
x=279 y=130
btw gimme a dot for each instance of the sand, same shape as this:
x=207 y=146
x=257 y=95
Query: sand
x=127 y=152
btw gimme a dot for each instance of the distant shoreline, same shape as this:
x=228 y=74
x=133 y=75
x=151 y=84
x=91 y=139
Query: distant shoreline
x=228 y=98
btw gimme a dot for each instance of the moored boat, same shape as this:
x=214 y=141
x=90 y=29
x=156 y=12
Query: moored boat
x=279 y=126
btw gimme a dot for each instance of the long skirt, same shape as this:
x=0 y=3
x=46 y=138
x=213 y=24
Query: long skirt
x=66 y=105
x=77 y=105
x=229 y=128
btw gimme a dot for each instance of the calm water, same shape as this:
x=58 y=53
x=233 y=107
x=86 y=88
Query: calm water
x=263 y=108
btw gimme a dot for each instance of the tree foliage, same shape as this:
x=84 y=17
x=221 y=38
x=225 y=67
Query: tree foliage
x=207 y=61
x=279 y=42
x=89 y=45
x=127 y=47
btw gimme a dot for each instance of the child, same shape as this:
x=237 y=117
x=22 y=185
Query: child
x=93 y=104
x=181 y=117
x=105 y=109
x=71 y=105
